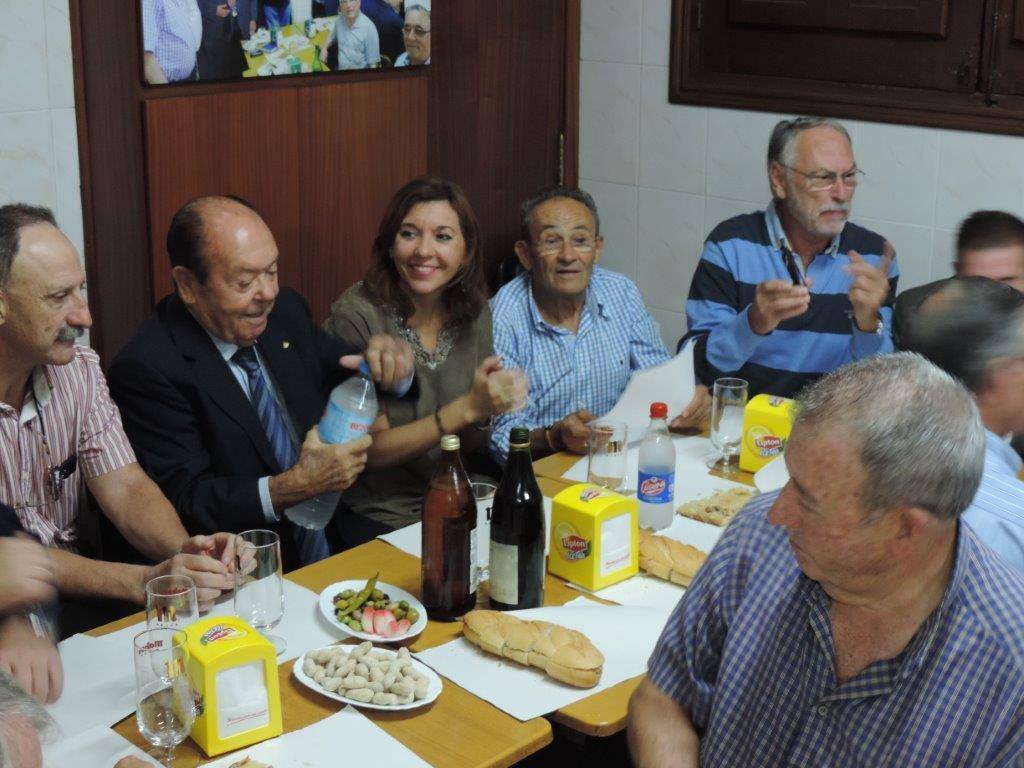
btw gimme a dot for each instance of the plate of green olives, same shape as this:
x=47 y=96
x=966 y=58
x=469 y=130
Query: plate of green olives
x=373 y=610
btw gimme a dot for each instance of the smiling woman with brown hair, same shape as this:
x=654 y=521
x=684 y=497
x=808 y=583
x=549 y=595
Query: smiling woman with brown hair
x=425 y=285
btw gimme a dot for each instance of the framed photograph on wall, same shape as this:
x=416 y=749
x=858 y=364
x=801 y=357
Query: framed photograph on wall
x=205 y=40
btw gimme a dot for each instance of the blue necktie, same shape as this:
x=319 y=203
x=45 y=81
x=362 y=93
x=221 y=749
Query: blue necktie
x=312 y=544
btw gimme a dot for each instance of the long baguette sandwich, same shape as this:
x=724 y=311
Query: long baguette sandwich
x=669 y=559
x=563 y=654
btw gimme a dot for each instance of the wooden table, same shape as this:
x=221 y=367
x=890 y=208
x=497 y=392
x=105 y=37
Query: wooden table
x=456 y=730
x=604 y=713
x=304 y=56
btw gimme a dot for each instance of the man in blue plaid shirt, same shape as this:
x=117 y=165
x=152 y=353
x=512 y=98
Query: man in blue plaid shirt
x=578 y=331
x=849 y=619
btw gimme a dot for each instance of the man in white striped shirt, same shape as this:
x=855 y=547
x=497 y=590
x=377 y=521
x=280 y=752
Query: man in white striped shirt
x=60 y=432
x=973 y=328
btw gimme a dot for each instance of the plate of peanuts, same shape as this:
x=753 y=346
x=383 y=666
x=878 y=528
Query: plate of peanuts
x=364 y=676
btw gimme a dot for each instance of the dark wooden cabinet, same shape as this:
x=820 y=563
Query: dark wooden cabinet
x=947 y=63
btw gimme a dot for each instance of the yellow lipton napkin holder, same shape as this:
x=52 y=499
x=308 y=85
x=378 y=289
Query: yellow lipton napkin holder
x=234 y=672
x=594 y=536
x=767 y=420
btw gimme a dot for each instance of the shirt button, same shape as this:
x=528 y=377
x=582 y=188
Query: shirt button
x=822 y=709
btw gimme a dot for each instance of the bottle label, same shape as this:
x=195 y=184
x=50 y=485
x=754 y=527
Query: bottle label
x=656 y=488
x=340 y=426
x=505 y=573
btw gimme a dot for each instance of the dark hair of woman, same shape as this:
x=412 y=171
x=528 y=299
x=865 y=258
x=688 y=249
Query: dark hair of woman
x=464 y=296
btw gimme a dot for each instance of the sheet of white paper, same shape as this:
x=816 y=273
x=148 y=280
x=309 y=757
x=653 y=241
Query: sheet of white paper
x=97 y=747
x=344 y=738
x=692 y=478
x=99 y=684
x=625 y=635
x=671 y=383
x=410 y=538
x=772 y=476
x=649 y=592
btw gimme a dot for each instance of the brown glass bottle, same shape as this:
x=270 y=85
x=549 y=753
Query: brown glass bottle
x=517 y=560
x=449 y=538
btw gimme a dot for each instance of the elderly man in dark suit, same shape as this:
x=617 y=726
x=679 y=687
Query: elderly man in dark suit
x=221 y=389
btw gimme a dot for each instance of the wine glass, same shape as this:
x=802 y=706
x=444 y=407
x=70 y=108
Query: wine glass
x=259 y=583
x=607 y=453
x=165 y=706
x=171 y=602
x=728 y=399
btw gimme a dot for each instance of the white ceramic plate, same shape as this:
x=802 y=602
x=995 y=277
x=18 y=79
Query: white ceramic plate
x=394 y=593
x=772 y=476
x=433 y=685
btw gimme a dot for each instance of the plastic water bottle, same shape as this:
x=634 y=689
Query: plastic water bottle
x=657 y=476
x=350 y=411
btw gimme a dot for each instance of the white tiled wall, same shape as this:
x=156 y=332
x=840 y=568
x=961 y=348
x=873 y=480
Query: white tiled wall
x=38 y=138
x=664 y=174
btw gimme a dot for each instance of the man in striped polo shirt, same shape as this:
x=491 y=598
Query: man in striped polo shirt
x=60 y=433
x=782 y=296
x=973 y=328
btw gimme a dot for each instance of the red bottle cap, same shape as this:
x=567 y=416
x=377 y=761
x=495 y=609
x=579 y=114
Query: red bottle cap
x=659 y=410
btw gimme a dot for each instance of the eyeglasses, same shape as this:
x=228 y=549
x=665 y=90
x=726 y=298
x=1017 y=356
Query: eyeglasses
x=552 y=245
x=56 y=474
x=415 y=31
x=819 y=181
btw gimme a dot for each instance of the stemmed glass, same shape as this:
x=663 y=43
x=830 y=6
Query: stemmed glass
x=728 y=399
x=165 y=707
x=171 y=602
x=259 y=583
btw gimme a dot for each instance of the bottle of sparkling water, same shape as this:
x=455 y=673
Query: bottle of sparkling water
x=350 y=411
x=656 y=480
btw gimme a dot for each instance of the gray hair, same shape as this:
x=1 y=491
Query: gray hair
x=551 y=193
x=780 y=145
x=16 y=707
x=417 y=7
x=920 y=437
x=965 y=325
x=14 y=218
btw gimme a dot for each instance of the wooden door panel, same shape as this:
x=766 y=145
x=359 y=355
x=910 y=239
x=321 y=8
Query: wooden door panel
x=770 y=42
x=1007 y=77
x=360 y=143
x=245 y=144
x=923 y=17
x=497 y=104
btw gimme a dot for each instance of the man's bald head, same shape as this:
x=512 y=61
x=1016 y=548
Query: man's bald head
x=193 y=233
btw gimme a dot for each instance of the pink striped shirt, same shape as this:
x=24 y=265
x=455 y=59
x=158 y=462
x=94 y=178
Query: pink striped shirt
x=67 y=412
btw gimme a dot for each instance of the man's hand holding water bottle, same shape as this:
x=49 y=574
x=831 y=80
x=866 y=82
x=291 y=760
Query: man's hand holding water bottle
x=390 y=362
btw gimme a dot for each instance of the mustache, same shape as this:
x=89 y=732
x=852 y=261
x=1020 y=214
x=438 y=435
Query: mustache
x=70 y=333
x=838 y=208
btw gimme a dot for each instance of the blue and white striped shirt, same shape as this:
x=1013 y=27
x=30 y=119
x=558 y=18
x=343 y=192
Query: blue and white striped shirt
x=746 y=250
x=997 y=512
x=748 y=654
x=572 y=371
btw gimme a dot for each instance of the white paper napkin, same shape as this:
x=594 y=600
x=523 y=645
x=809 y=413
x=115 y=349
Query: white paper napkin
x=97 y=747
x=344 y=738
x=625 y=635
x=99 y=684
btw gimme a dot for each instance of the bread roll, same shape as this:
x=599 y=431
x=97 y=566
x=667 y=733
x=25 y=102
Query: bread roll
x=563 y=654
x=669 y=559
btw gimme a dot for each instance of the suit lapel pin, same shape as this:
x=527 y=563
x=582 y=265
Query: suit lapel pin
x=285 y=344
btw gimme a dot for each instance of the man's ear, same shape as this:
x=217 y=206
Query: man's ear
x=598 y=248
x=3 y=307
x=777 y=180
x=523 y=254
x=185 y=282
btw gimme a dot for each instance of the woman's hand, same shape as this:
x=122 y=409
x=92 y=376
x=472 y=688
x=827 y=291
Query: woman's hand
x=496 y=389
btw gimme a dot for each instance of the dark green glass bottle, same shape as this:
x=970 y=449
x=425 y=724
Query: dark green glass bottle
x=517 y=562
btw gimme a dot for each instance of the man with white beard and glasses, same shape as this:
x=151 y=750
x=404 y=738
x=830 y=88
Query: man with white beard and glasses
x=783 y=296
